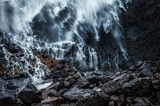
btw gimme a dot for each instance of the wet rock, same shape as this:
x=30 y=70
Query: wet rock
x=104 y=78
x=138 y=87
x=136 y=66
x=55 y=86
x=2 y=69
x=157 y=99
x=62 y=71
x=111 y=87
x=51 y=63
x=30 y=95
x=117 y=100
x=139 y=64
x=12 y=48
x=8 y=93
x=77 y=94
x=138 y=101
x=6 y=96
x=145 y=72
x=93 y=100
x=103 y=95
x=72 y=104
x=83 y=84
x=62 y=91
x=49 y=93
x=3 y=38
x=156 y=82
x=51 y=101
x=15 y=85
x=93 y=79
x=10 y=102
x=122 y=78
x=70 y=80
x=158 y=65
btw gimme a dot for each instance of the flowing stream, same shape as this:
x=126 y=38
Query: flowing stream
x=58 y=27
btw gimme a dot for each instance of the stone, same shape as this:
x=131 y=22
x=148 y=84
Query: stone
x=138 y=87
x=70 y=80
x=103 y=95
x=156 y=82
x=53 y=101
x=12 y=48
x=117 y=100
x=30 y=95
x=49 y=93
x=77 y=94
x=93 y=79
x=83 y=84
x=111 y=87
x=145 y=72
x=138 y=101
x=93 y=100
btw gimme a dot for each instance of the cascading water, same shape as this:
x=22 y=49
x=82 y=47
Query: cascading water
x=58 y=27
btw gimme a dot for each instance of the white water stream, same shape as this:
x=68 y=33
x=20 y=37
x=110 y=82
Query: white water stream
x=62 y=25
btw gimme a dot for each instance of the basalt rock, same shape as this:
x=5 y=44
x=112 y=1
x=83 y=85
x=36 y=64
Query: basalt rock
x=138 y=87
x=30 y=95
x=111 y=87
x=134 y=82
x=139 y=101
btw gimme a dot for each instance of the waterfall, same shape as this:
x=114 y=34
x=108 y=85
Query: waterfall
x=57 y=27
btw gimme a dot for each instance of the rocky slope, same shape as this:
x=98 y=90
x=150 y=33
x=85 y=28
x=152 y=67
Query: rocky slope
x=139 y=85
x=136 y=82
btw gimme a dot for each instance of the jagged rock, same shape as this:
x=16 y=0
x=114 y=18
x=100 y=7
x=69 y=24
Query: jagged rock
x=72 y=104
x=70 y=80
x=49 y=93
x=145 y=72
x=94 y=100
x=103 y=95
x=6 y=96
x=136 y=66
x=8 y=91
x=158 y=65
x=156 y=82
x=30 y=95
x=141 y=27
x=104 y=78
x=93 y=79
x=84 y=84
x=123 y=78
x=12 y=48
x=77 y=94
x=51 y=101
x=2 y=69
x=117 y=100
x=138 y=87
x=138 y=101
x=55 y=86
x=111 y=87
x=51 y=63
x=15 y=84
x=3 y=38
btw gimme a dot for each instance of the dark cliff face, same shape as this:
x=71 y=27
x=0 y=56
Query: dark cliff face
x=142 y=29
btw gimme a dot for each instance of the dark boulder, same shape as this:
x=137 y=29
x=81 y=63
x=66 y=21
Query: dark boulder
x=30 y=95
x=138 y=87
x=111 y=87
x=138 y=101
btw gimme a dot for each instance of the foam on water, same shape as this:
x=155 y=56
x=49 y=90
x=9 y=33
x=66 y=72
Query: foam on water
x=17 y=18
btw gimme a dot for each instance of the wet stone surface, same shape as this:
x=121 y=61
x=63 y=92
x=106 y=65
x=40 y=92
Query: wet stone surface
x=134 y=83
